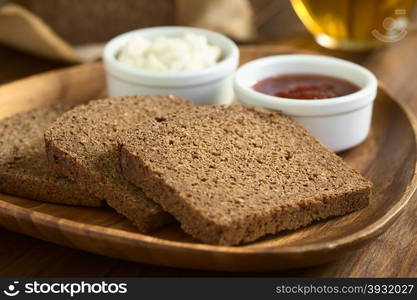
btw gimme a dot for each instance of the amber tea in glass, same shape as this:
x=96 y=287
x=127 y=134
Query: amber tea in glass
x=354 y=24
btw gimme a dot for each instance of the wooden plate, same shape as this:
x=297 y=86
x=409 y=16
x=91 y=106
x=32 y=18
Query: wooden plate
x=387 y=157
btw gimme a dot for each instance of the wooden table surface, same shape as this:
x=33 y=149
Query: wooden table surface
x=392 y=254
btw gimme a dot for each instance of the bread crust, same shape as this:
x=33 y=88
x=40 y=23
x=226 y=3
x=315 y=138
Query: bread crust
x=241 y=219
x=82 y=145
x=24 y=170
x=95 y=183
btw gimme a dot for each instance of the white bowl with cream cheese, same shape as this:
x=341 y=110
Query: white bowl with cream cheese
x=187 y=62
x=339 y=123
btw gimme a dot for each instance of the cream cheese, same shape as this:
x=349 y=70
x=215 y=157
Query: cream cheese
x=185 y=53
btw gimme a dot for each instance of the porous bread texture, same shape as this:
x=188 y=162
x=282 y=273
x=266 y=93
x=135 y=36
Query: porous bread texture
x=24 y=170
x=82 y=144
x=232 y=174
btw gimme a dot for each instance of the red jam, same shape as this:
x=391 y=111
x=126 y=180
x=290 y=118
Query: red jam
x=305 y=86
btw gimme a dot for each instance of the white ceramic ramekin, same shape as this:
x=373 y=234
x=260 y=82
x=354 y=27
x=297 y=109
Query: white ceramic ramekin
x=339 y=123
x=213 y=85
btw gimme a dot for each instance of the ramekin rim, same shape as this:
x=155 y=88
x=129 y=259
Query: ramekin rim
x=230 y=61
x=370 y=86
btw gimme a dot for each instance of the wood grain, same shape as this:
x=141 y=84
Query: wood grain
x=70 y=85
x=388 y=157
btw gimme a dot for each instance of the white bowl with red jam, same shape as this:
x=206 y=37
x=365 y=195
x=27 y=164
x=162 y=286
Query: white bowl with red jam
x=330 y=97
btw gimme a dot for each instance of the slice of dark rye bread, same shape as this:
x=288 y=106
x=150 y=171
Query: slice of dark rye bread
x=233 y=174
x=82 y=144
x=24 y=170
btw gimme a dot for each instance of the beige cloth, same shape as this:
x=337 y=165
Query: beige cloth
x=231 y=17
x=23 y=30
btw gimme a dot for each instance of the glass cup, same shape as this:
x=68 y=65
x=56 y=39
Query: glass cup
x=354 y=24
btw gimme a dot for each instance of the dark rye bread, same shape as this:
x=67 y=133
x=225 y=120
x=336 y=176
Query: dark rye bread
x=233 y=174
x=24 y=170
x=82 y=144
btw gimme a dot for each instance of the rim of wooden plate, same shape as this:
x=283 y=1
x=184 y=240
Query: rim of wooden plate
x=362 y=235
